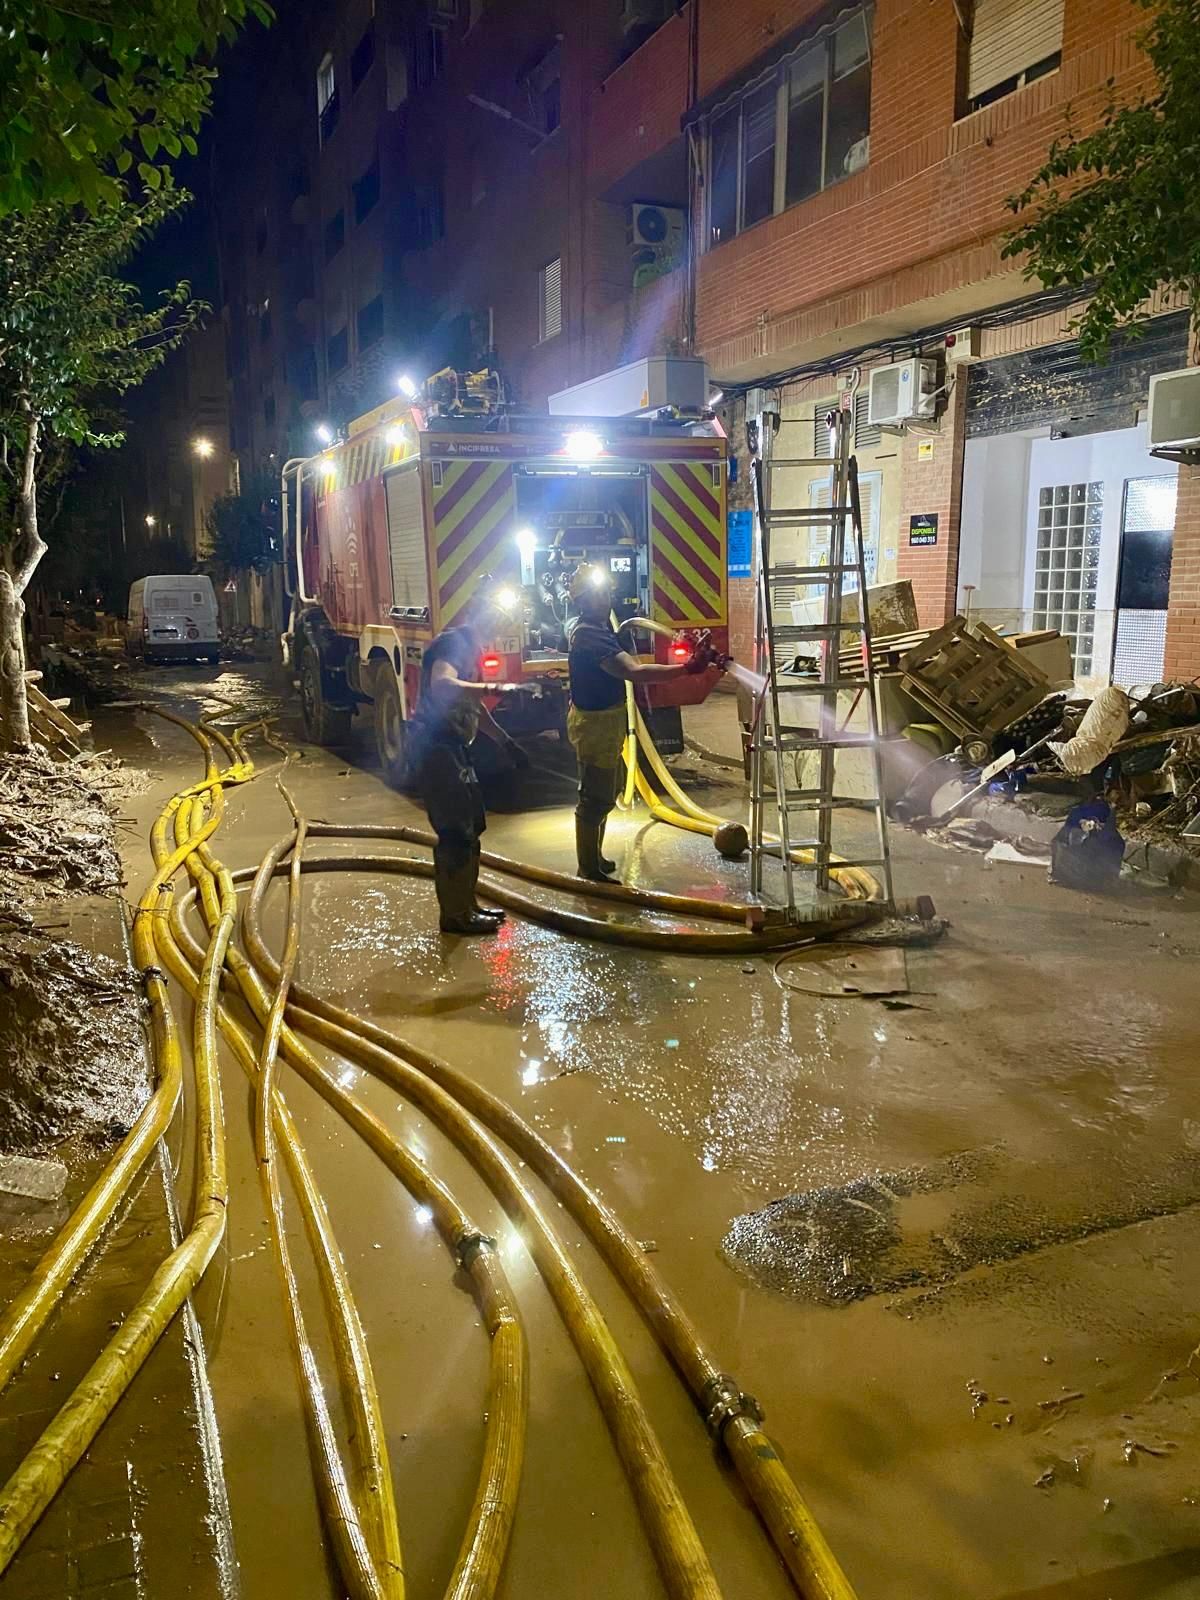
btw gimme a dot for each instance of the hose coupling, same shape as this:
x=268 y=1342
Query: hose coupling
x=722 y=1401
x=153 y=972
x=469 y=1246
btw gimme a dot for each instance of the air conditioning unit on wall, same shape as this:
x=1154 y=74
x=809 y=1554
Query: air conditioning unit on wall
x=657 y=228
x=902 y=391
x=1174 y=422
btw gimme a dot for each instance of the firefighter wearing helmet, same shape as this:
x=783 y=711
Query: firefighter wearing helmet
x=599 y=667
x=450 y=711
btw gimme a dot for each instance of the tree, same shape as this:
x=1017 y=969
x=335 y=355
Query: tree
x=1118 y=210
x=71 y=333
x=93 y=86
x=243 y=528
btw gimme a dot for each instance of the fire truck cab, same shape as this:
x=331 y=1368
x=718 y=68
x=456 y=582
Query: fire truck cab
x=389 y=533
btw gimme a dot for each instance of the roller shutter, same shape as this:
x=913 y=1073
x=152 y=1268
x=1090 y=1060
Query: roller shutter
x=406 y=538
x=1010 y=36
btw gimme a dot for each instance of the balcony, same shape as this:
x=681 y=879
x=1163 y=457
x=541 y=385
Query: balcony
x=636 y=148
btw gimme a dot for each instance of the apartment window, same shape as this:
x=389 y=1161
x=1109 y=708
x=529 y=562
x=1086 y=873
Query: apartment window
x=327 y=99
x=550 y=299
x=543 y=89
x=807 y=125
x=1012 y=43
x=362 y=58
x=1066 y=565
x=335 y=234
x=370 y=322
x=429 y=55
x=366 y=192
x=427 y=215
x=304 y=372
x=337 y=351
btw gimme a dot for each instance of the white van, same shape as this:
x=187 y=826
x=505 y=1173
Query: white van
x=173 y=618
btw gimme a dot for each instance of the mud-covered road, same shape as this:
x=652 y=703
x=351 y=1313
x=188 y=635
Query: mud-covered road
x=950 y=1240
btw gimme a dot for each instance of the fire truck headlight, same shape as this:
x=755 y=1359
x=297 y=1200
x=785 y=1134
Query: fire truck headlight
x=324 y=432
x=526 y=543
x=582 y=445
x=329 y=470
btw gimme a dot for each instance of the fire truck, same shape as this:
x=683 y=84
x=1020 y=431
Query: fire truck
x=390 y=532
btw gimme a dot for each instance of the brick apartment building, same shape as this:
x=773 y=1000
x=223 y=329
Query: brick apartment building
x=403 y=185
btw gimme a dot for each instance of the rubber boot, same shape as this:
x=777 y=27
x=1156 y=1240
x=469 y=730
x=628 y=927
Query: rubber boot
x=456 y=900
x=587 y=851
x=483 y=911
x=607 y=867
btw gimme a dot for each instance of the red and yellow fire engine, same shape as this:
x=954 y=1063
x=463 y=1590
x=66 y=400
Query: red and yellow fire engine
x=389 y=533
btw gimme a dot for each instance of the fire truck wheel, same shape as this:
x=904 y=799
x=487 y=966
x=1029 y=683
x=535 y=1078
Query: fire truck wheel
x=391 y=735
x=324 y=723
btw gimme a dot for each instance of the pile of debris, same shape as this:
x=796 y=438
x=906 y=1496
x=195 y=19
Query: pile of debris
x=56 y=827
x=1036 y=771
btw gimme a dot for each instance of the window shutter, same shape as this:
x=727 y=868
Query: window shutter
x=550 y=284
x=406 y=538
x=1008 y=36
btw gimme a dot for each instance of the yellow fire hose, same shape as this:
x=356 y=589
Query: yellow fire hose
x=673 y=1538
x=733 y=1419
x=367 y=1550
x=41 y=1474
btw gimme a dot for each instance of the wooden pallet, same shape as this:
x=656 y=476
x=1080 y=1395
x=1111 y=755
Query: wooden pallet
x=975 y=682
x=49 y=723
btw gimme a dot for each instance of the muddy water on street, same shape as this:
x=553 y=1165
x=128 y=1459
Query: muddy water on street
x=952 y=1249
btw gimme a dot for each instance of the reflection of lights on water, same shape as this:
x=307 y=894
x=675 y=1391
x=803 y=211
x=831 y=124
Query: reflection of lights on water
x=881 y=1036
x=708 y=1162
x=424 y=1215
x=511 y=1244
x=614 y=1138
x=531 y=1074
x=347 y=1077
x=672 y=1044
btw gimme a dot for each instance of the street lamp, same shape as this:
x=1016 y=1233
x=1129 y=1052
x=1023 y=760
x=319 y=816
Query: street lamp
x=150 y=521
x=203 y=448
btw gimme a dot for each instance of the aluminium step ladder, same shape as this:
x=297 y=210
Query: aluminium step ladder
x=802 y=717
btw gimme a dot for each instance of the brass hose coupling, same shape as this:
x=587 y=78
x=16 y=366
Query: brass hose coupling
x=721 y=1401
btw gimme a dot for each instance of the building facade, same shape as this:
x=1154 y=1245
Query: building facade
x=802 y=194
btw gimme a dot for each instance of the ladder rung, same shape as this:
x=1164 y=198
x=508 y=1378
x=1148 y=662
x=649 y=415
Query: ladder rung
x=802 y=516
x=805 y=739
x=792 y=631
x=837 y=686
x=813 y=800
x=782 y=571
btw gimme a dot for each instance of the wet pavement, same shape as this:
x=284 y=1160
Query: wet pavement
x=952 y=1248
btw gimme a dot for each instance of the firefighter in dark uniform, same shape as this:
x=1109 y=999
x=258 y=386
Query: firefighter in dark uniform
x=599 y=667
x=449 y=714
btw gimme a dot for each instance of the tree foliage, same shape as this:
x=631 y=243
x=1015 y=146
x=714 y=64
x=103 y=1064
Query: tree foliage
x=243 y=528
x=1118 y=210
x=94 y=87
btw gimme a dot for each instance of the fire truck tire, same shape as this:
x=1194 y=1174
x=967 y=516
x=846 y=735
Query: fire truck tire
x=391 y=734
x=324 y=722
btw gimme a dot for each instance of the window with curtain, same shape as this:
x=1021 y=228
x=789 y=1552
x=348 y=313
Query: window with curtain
x=805 y=126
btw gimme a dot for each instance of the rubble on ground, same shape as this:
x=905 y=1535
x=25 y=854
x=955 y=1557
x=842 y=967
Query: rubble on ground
x=56 y=827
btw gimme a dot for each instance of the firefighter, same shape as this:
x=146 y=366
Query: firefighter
x=599 y=667
x=449 y=713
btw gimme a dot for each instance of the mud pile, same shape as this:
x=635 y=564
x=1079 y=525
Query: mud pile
x=56 y=827
x=71 y=1050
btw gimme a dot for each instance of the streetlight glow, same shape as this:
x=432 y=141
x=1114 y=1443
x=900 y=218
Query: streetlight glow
x=203 y=448
x=150 y=521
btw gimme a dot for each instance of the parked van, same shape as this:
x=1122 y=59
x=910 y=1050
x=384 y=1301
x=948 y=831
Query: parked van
x=173 y=618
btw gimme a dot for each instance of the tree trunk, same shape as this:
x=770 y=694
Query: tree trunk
x=14 y=702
